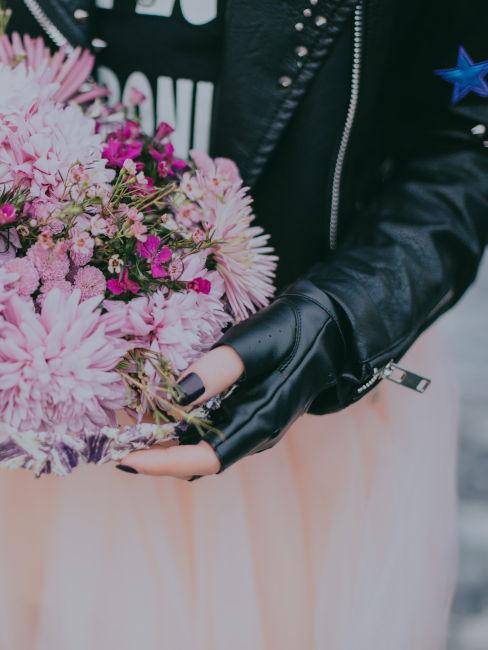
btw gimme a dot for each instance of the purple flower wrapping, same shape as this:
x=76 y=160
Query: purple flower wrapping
x=49 y=453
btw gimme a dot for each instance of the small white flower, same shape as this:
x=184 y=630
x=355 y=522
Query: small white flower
x=141 y=179
x=191 y=187
x=130 y=166
x=115 y=264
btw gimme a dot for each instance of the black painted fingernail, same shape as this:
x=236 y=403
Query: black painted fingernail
x=127 y=468
x=192 y=388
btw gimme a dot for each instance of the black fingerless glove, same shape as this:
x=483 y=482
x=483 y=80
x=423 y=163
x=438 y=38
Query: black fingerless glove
x=291 y=352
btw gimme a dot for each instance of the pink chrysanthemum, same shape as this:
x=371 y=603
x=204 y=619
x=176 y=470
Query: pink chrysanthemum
x=133 y=318
x=51 y=263
x=7 y=282
x=244 y=258
x=91 y=282
x=69 y=70
x=57 y=368
x=28 y=277
x=186 y=325
x=64 y=286
x=41 y=140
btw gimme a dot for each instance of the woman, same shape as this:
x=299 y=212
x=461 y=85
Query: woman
x=372 y=184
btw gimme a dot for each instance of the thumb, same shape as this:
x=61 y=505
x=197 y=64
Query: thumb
x=210 y=375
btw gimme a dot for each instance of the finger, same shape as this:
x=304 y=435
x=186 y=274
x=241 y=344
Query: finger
x=178 y=462
x=210 y=375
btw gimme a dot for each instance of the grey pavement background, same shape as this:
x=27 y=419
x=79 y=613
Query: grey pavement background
x=467 y=325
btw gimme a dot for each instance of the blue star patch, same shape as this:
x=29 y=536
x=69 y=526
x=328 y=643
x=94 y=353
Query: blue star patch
x=467 y=77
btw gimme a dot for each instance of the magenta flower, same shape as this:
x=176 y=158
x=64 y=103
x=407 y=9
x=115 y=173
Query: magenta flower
x=116 y=151
x=123 y=285
x=163 y=169
x=8 y=214
x=179 y=165
x=149 y=248
x=163 y=131
x=157 y=268
x=130 y=129
x=200 y=285
x=157 y=155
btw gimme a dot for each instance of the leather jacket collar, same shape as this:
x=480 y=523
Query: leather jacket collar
x=263 y=77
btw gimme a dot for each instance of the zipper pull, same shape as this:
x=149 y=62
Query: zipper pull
x=403 y=377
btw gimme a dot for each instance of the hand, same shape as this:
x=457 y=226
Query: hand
x=213 y=373
x=291 y=353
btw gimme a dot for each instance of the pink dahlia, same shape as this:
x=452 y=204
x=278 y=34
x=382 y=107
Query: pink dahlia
x=58 y=368
x=90 y=281
x=68 y=69
x=28 y=277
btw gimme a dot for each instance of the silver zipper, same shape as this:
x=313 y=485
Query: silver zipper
x=47 y=24
x=398 y=375
x=350 y=118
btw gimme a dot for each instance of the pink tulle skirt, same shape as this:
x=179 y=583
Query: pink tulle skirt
x=341 y=538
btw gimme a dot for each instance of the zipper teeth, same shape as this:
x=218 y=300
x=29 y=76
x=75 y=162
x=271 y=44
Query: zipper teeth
x=47 y=25
x=377 y=374
x=351 y=116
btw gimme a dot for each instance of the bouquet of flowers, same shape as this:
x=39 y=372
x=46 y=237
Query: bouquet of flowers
x=120 y=264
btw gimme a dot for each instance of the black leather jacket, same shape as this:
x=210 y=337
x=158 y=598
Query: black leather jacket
x=373 y=183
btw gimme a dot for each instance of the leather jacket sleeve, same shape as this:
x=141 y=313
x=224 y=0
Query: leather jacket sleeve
x=416 y=250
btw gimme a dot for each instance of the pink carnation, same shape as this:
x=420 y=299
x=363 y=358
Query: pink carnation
x=91 y=282
x=28 y=277
x=8 y=214
x=80 y=259
x=51 y=263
